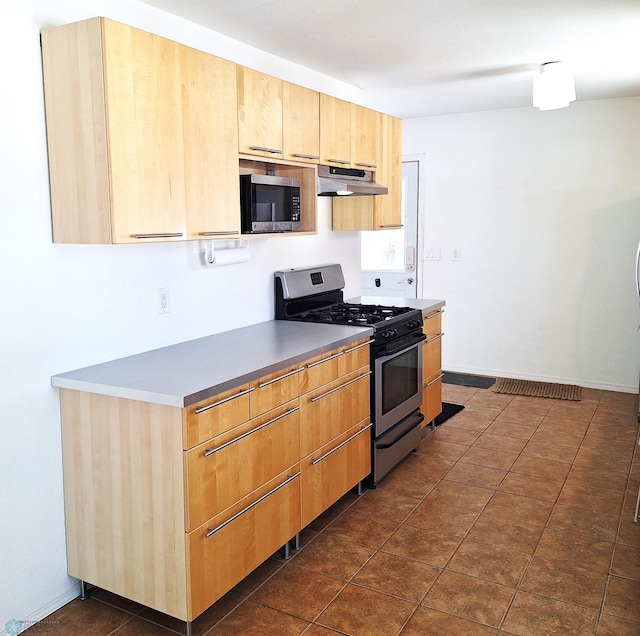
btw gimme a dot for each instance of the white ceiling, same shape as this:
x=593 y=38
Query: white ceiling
x=415 y=58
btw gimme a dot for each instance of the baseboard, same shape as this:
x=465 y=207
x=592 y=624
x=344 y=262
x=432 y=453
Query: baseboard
x=496 y=373
x=40 y=615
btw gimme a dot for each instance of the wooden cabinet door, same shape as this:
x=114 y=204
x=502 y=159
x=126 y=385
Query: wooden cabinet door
x=387 y=209
x=335 y=131
x=146 y=146
x=301 y=123
x=330 y=366
x=333 y=408
x=333 y=469
x=274 y=389
x=227 y=548
x=432 y=366
x=364 y=146
x=259 y=114
x=231 y=466
x=216 y=415
x=210 y=120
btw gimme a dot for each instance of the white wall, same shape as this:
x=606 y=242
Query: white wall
x=545 y=207
x=63 y=307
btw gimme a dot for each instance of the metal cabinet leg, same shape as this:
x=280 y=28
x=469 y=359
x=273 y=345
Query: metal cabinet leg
x=84 y=592
x=187 y=628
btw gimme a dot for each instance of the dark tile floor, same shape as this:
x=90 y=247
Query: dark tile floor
x=513 y=517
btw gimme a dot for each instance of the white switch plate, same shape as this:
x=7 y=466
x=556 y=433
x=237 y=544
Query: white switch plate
x=432 y=254
x=455 y=254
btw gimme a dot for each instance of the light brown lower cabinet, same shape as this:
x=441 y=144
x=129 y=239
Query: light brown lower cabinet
x=432 y=366
x=171 y=507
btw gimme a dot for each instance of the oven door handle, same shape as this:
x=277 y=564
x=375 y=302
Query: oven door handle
x=405 y=343
x=395 y=440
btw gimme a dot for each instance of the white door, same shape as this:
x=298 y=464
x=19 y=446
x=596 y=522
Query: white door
x=389 y=257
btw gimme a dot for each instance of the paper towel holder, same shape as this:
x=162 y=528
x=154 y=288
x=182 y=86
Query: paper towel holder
x=235 y=251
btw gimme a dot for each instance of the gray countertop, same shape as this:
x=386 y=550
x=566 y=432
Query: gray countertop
x=424 y=304
x=185 y=373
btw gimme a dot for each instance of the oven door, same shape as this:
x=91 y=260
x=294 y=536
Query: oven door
x=397 y=377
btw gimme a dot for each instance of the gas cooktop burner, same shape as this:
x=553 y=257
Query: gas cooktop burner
x=353 y=314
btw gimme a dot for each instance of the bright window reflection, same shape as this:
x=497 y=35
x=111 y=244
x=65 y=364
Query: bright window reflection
x=384 y=249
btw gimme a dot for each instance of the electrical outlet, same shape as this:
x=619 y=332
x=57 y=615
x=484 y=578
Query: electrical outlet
x=455 y=254
x=163 y=300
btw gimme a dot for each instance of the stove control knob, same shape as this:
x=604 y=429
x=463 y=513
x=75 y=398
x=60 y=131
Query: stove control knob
x=391 y=333
x=413 y=324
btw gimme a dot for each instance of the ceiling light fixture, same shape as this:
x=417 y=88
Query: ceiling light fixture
x=553 y=86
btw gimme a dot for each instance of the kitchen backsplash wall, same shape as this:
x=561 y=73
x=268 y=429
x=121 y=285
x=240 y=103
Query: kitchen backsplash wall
x=68 y=306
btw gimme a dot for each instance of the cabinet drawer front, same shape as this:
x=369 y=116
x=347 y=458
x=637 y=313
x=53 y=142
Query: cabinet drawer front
x=431 y=355
x=333 y=409
x=331 y=471
x=246 y=536
x=432 y=322
x=432 y=397
x=231 y=466
x=334 y=364
x=213 y=416
x=274 y=389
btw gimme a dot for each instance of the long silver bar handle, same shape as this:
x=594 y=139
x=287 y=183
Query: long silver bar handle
x=435 y=313
x=222 y=233
x=434 y=338
x=315 y=364
x=319 y=397
x=161 y=235
x=227 y=399
x=434 y=381
x=396 y=226
x=303 y=156
x=362 y=344
x=346 y=441
x=343 y=162
x=274 y=151
x=367 y=165
x=281 y=377
x=211 y=451
x=212 y=531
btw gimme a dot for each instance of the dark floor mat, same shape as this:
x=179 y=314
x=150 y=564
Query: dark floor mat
x=465 y=379
x=448 y=410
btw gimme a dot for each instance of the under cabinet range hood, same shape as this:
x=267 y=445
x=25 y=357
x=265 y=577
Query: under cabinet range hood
x=334 y=181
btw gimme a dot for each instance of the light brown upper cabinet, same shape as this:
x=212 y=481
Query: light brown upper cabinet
x=131 y=129
x=380 y=212
x=348 y=134
x=259 y=114
x=335 y=131
x=364 y=133
x=301 y=123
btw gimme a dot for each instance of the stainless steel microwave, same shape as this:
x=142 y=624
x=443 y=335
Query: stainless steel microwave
x=269 y=203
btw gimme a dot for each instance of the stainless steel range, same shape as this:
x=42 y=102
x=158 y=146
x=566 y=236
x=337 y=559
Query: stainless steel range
x=315 y=294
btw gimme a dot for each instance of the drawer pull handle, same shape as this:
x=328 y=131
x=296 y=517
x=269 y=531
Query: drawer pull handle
x=220 y=233
x=273 y=151
x=362 y=344
x=302 y=156
x=340 y=161
x=346 y=441
x=434 y=381
x=212 y=531
x=367 y=165
x=161 y=235
x=434 y=338
x=396 y=226
x=434 y=314
x=219 y=402
x=281 y=377
x=319 y=397
x=211 y=451
x=335 y=355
